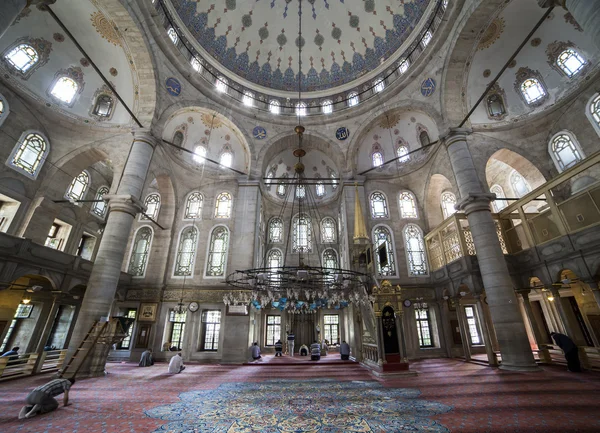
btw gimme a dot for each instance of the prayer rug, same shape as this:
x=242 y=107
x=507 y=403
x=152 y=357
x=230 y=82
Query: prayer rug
x=301 y=406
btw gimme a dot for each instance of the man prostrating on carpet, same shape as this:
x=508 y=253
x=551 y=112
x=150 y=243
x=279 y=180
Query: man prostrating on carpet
x=41 y=399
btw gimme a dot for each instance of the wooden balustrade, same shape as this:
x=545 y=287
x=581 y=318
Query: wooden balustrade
x=26 y=364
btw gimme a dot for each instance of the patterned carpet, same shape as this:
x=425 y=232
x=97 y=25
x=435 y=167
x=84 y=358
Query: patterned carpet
x=483 y=400
x=307 y=406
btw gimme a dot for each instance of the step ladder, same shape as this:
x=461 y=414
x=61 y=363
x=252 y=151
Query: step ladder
x=94 y=336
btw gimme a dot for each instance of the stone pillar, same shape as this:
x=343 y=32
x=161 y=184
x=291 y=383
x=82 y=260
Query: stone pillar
x=443 y=326
x=544 y=355
x=401 y=336
x=487 y=334
x=123 y=208
x=585 y=12
x=380 y=345
x=502 y=301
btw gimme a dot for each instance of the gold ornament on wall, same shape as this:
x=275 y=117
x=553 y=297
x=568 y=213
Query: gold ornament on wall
x=105 y=28
x=491 y=34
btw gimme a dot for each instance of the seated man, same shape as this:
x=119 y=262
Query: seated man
x=279 y=348
x=41 y=399
x=12 y=353
x=255 y=351
x=345 y=350
x=304 y=350
x=315 y=351
x=146 y=360
x=176 y=364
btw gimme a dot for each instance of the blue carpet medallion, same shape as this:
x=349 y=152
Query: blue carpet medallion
x=306 y=406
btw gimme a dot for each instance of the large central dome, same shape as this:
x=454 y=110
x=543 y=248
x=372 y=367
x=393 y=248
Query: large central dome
x=342 y=40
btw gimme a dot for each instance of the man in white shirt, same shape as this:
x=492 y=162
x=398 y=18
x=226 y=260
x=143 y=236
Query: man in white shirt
x=290 y=342
x=176 y=364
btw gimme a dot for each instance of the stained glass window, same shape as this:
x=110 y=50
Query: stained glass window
x=221 y=84
x=320 y=189
x=152 y=204
x=200 y=154
x=532 y=90
x=65 y=89
x=334 y=178
x=302 y=239
x=448 y=201
x=196 y=64
x=300 y=191
x=352 y=99
x=327 y=107
x=275 y=230
x=328 y=231
x=415 y=250
x=178 y=138
x=273 y=330
x=570 y=62
x=30 y=154
x=403 y=65
x=379 y=85
x=473 y=328
x=193 y=206
x=384 y=251
x=223 y=205
x=274 y=107
x=424 y=138
x=226 y=159
x=22 y=57
x=282 y=187
x=211 y=324
x=519 y=185
x=217 y=254
x=498 y=205
x=300 y=109
x=172 y=35
x=186 y=253
x=379 y=208
x=274 y=262
x=140 y=251
x=426 y=38
x=423 y=325
x=99 y=208
x=377 y=159
x=248 y=99
x=330 y=259
x=408 y=205
x=595 y=110
x=104 y=105
x=402 y=154
x=495 y=105
x=78 y=187
x=565 y=151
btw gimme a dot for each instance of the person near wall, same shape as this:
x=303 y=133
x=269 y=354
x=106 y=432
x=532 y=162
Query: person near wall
x=41 y=399
x=12 y=353
x=176 y=364
x=255 y=351
x=315 y=351
x=345 y=351
x=278 y=348
x=324 y=347
x=290 y=342
x=303 y=350
x=570 y=349
x=146 y=360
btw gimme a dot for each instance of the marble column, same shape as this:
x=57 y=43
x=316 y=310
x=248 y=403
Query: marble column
x=585 y=12
x=380 y=345
x=122 y=210
x=543 y=352
x=502 y=301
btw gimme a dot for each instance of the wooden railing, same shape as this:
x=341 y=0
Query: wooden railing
x=27 y=364
x=51 y=360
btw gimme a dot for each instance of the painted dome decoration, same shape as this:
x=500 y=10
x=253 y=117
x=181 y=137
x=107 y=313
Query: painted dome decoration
x=341 y=40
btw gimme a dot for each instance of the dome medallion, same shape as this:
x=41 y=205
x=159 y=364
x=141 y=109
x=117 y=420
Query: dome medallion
x=342 y=40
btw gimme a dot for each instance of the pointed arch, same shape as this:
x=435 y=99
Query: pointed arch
x=140 y=251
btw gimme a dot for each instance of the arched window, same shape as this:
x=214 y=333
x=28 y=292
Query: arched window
x=29 y=154
x=275 y=230
x=300 y=191
x=186 y=252
x=217 y=252
x=379 y=85
x=593 y=112
x=384 y=251
x=172 y=34
x=403 y=65
x=226 y=159
x=152 y=204
x=424 y=138
x=327 y=107
x=99 y=208
x=22 y=57
x=498 y=205
x=334 y=178
x=221 y=84
x=320 y=189
x=330 y=260
x=570 y=62
x=379 y=208
x=64 y=90
x=274 y=107
x=178 y=138
x=519 y=185
x=495 y=105
x=223 y=205
x=532 y=90
x=402 y=154
x=565 y=151
x=79 y=185
x=140 y=251
x=281 y=189
x=328 y=231
x=196 y=64
x=377 y=159
x=302 y=235
x=426 y=38
x=408 y=205
x=274 y=259
x=415 y=250
x=4 y=110
x=200 y=154
x=193 y=206
x=248 y=99
x=448 y=201
x=352 y=99
x=103 y=106
x=300 y=109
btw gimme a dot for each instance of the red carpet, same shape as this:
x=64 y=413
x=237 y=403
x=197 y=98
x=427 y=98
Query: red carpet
x=483 y=399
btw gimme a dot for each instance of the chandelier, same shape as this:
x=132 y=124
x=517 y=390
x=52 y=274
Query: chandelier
x=308 y=282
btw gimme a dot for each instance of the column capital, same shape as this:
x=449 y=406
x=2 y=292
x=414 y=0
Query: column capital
x=145 y=135
x=552 y=3
x=124 y=203
x=475 y=202
x=456 y=134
